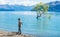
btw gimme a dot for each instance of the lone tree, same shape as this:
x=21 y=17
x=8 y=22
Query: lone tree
x=40 y=9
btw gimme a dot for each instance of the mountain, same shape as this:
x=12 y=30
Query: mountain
x=15 y=8
x=22 y=8
x=54 y=6
x=6 y=8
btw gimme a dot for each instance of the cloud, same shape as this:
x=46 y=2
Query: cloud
x=2 y=2
x=13 y=2
x=24 y=2
x=27 y=3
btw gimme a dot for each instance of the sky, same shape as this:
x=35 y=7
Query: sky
x=24 y=2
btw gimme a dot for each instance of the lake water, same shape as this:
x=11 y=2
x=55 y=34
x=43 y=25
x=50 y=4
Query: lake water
x=42 y=27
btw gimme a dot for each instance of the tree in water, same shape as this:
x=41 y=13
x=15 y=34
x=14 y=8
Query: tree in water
x=41 y=8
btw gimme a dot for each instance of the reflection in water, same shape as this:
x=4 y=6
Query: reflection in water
x=43 y=22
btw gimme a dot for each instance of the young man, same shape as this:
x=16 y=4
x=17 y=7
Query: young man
x=19 y=26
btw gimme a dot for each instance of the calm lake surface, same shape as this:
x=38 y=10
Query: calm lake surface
x=44 y=26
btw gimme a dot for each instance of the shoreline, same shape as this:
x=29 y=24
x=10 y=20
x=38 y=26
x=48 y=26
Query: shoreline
x=13 y=34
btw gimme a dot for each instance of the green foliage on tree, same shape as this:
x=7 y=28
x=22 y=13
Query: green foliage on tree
x=41 y=7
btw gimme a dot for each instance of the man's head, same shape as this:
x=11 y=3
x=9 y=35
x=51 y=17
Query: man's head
x=18 y=18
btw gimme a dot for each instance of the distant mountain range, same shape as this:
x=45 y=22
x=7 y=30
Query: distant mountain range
x=15 y=8
x=53 y=6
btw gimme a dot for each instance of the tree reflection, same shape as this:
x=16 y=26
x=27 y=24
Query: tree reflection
x=43 y=22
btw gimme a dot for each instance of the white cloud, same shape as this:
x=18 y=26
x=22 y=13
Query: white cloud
x=27 y=3
x=2 y=2
x=24 y=2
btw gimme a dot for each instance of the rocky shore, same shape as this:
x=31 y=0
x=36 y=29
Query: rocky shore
x=12 y=34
